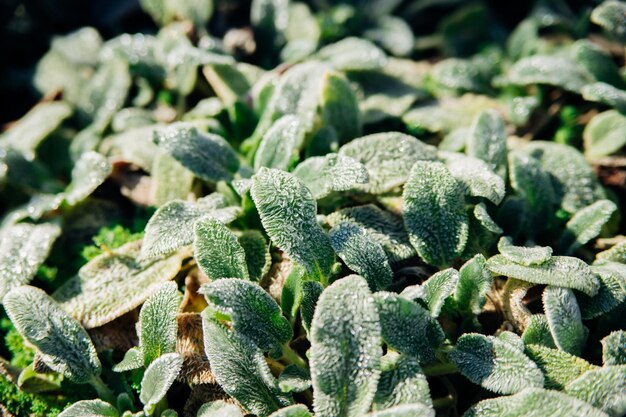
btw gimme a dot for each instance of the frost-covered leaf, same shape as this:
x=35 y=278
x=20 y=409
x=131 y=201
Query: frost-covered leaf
x=405 y=410
x=209 y=156
x=170 y=180
x=258 y=258
x=434 y=213
x=606 y=132
x=401 y=382
x=353 y=54
x=23 y=248
x=487 y=141
x=298 y=410
x=115 y=283
x=241 y=370
x=133 y=359
x=219 y=408
x=438 y=288
x=287 y=210
x=558 y=367
x=340 y=109
x=393 y=34
x=616 y=253
x=495 y=364
x=90 y=408
x=598 y=62
x=172 y=226
x=90 y=171
x=534 y=402
x=311 y=291
x=333 y=172
x=474 y=283
x=294 y=379
x=610 y=16
x=585 y=225
x=458 y=75
x=564 y=319
x=218 y=252
x=604 y=388
x=362 y=254
x=158 y=322
x=251 y=310
x=611 y=293
x=345 y=349
x=523 y=255
x=280 y=145
x=476 y=176
x=550 y=70
x=63 y=344
x=537 y=332
x=614 y=348
x=564 y=271
x=388 y=157
x=158 y=378
x=408 y=327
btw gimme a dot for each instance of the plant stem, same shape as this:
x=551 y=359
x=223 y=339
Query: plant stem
x=293 y=357
x=443 y=402
x=104 y=392
x=437 y=369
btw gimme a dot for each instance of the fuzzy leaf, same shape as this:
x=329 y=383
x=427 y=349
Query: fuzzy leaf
x=407 y=327
x=219 y=408
x=523 y=255
x=495 y=364
x=612 y=290
x=280 y=145
x=298 y=410
x=158 y=378
x=614 y=348
x=476 y=176
x=311 y=291
x=558 y=367
x=90 y=408
x=171 y=180
x=258 y=258
x=585 y=225
x=438 y=288
x=209 y=156
x=252 y=311
x=90 y=171
x=549 y=70
x=158 y=322
x=388 y=157
x=610 y=16
x=353 y=54
x=115 y=283
x=133 y=359
x=604 y=388
x=434 y=213
x=564 y=319
x=241 y=370
x=325 y=174
x=474 y=283
x=616 y=253
x=345 y=349
x=63 y=344
x=340 y=109
x=294 y=379
x=287 y=210
x=537 y=332
x=401 y=382
x=218 y=252
x=563 y=271
x=487 y=141
x=362 y=254
x=606 y=132
x=405 y=410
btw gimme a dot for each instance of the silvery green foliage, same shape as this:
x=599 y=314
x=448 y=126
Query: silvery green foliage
x=397 y=314
x=512 y=339
x=294 y=379
x=564 y=271
x=585 y=225
x=133 y=359
x=251 y=310
x=209 y=156
x=353 y=54
x=610 y=16
x=297 y=410
x=616 y=253
x=550 y=70
x=345 y=349
x=613 y=97
x=158 y=378
x=158 y=324
x=534 y=402
x=23 y=248
x=63 y=344
x=611 y=292
x=564 y=319
x=388 y=157
x=381 y=226
x=362 y=254
x=494 y=364
x=171 y=180
x=287 y=210
x=558 y=367
x=333 y=172
x=598 y=62
x=241 y=370
x=340 y=109
x=475 y=175
x=217 y=251
x=537 y=332
x=405 y=410
x=487 y=141
x=280 y=145
x=438 y=288
x=457 y=75
x=291 y=294
x=90 y=171
x=524 y=255
x=434 y=213
x=311 y=291
x=172 y=226
x=474 y=283
x=115 y=283
x=258 y=258
x=219 y=408
x=604 y=388
x=614 y=348
x=401 y=382
x=90 y=408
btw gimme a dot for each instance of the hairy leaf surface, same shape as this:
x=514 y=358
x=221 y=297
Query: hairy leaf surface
x=158 y=378
x=218 y=252
x=158 y=323
x=333 y=172
x=401 y=382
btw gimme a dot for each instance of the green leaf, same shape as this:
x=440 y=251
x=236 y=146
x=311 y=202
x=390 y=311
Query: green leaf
x=550 y=70
x=90 y=408
x=158 y=379
x=392 y=33
x=585 y=225
x=158 y=324
x=340 y=109
x=524 y=255
x=438 y=288
x=474 y=283
x=558 y=367
x=23 y=249
x=487 y=141
x=333 y=172
x=298 y=410
x=610 y=16
x=456 y=75
x=353 y=54
x=209 y=156
x=287 y=210
x=534 y=402
x=405 y=410
x=614 y=348
x=280 y=145
x=475 y=175
x=171 y=180
x=258 y=258
x=345 y=349
x=604 y=388
x=218 y=252
x=564 y=319
x=537 y=332
x=388 y=157
x=401 y=382
x=252 y=311
x=115 y=283
x=564 y=271
x=219 y=408
x=597 y=62
x=362 y=254
x=434 y=213
x=64 y=345
x=616 y=253
x=133 y=359
x=241 y=370
x=311 y=291
x=90 y=171
x=612 y=291
x=172 y=226
x=407 y=327
x=164 y=12
x=605 y=133
x=294 y=379
x=495 y=364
